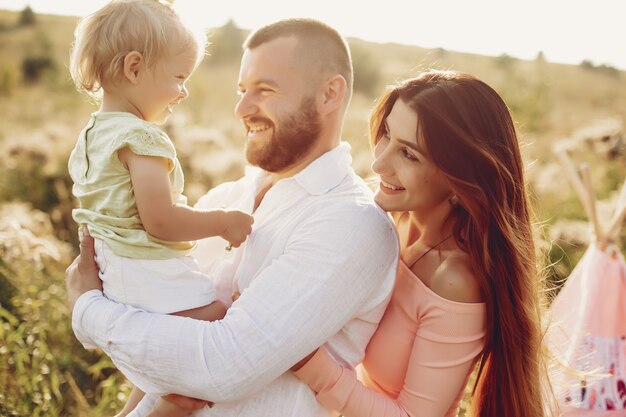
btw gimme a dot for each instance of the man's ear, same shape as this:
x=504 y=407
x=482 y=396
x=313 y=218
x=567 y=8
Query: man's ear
x=334 y=91
x=133 y=64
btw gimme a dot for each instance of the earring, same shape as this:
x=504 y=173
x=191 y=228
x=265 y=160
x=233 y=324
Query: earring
x=454 y=200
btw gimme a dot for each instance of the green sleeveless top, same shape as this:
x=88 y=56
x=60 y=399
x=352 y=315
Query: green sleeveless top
x=104 y=190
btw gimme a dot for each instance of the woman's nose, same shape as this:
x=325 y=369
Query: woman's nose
x=382 y=164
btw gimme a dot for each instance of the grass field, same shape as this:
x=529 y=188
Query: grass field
x=44 y=371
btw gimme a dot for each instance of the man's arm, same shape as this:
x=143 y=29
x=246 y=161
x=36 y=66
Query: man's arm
x=329 y=269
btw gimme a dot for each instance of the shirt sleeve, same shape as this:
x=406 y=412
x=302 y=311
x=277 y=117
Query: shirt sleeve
x=145 y=139
x=438 y=370
x=290 y=309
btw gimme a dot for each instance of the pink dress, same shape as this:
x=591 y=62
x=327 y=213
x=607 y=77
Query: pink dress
x=588 y=334
x=416 y=364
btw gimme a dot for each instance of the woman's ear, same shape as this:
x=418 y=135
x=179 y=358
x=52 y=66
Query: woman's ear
x=334 y=91
x=133 y=63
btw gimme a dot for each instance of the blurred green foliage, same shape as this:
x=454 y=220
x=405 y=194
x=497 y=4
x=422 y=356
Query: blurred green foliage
x=27 y=17
x=8 y=80
x=367 y=74
x=225 y=44
x=44 y=371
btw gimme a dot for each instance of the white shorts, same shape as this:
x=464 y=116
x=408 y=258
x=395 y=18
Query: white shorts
x=160 y=286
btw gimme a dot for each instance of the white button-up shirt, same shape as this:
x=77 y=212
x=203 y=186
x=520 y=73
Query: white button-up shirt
x=318 y=269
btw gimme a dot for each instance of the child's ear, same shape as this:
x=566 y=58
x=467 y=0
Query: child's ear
x=133 y=63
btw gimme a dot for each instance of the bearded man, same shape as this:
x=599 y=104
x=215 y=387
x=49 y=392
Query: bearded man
x=318 y=268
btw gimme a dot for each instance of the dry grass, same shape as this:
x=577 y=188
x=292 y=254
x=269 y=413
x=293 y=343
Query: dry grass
x=39 y=123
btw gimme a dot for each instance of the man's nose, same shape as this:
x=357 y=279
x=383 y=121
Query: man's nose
x=245 y=106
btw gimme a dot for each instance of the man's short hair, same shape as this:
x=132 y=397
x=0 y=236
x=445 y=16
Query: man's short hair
x=323 y=44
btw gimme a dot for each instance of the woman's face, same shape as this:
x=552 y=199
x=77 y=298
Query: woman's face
x=409 y=181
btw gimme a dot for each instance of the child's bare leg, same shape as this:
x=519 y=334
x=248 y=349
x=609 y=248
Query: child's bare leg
x=165 y=408
x=214 y=311
x=133 y=399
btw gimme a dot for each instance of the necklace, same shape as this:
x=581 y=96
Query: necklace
x=430 y=249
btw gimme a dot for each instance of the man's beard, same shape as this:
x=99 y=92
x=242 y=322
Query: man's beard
x=292 y=139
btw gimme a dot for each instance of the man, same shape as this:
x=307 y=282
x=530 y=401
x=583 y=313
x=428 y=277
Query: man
x=318 y=268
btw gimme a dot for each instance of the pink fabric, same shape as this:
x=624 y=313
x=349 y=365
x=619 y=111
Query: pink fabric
x=588 y=334
x=416 y=364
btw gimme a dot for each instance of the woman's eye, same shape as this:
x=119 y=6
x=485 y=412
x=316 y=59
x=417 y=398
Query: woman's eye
x=408 y=155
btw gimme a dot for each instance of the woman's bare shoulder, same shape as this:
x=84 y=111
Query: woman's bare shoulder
x=454 y=280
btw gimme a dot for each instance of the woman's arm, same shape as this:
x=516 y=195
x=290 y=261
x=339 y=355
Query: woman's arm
x=437 y=372
x=168 y=221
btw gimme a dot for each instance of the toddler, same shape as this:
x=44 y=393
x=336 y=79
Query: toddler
x=136 y=56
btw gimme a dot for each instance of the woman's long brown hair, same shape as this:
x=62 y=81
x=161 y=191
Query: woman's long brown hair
x=470 y=135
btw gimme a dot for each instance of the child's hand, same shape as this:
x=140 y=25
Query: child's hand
x=238 y=226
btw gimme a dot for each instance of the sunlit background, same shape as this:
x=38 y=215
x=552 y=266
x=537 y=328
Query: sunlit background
x=566 y=31
x=560 y=66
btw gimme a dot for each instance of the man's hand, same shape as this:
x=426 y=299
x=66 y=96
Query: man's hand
x=82 y=275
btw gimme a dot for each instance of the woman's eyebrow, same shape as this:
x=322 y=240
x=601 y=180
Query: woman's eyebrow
x=410 y=144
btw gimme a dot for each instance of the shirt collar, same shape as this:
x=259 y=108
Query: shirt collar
x=320 y=176
x=327 y=171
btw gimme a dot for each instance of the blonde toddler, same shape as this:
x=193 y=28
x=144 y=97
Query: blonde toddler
x=135 y=57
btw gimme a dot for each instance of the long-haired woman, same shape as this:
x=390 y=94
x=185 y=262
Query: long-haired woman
x=467 y=293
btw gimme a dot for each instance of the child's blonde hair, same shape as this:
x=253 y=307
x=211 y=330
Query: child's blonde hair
x=104 y=38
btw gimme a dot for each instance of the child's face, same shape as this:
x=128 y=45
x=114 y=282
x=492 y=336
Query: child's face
x=162 y=87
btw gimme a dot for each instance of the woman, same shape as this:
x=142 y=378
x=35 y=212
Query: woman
x=467 y=289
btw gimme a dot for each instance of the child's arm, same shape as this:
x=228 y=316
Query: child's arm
x=168 y=221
